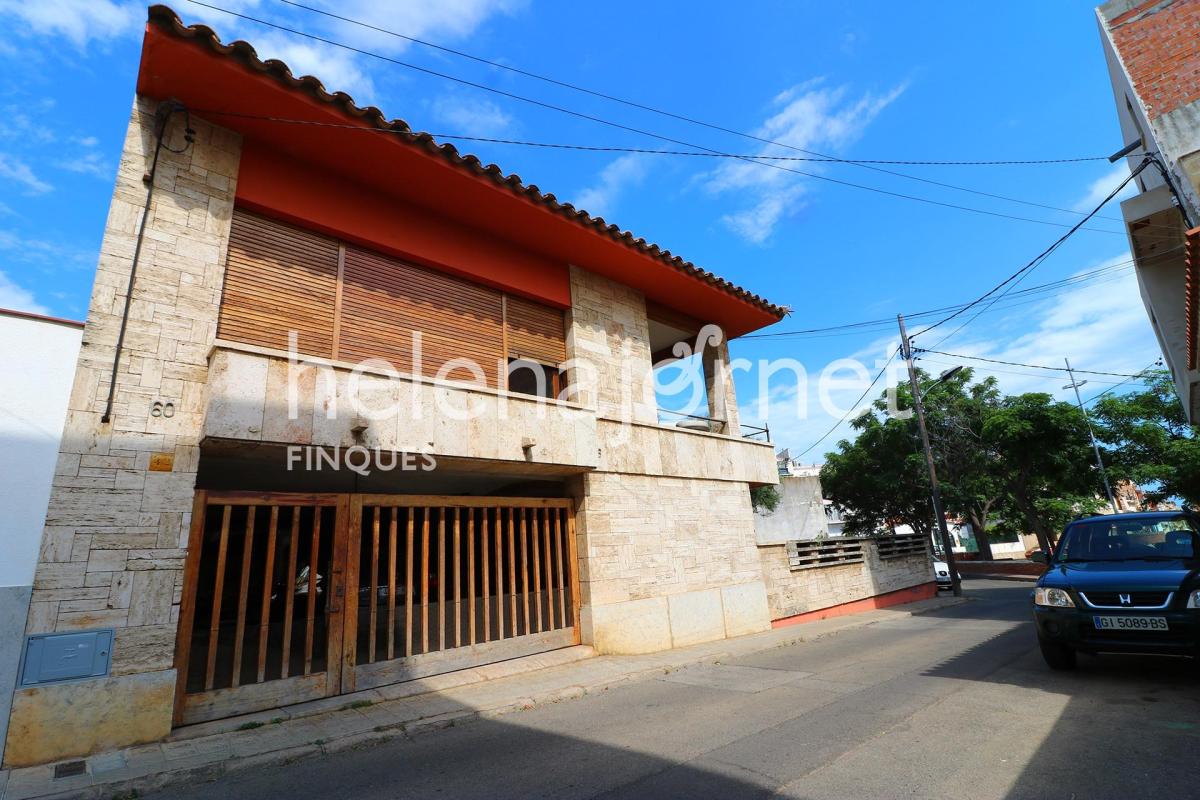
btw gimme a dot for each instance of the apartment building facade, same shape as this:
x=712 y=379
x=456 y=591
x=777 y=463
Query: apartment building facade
x=1152 y=52
x=352 y=409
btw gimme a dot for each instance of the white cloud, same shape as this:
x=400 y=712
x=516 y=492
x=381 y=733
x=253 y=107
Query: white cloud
x=600 y=198
x=14 y=169
x=446 y=19
x=470 y=117
x=78 y=21
x=339 y=70
x=1099 y=326
x=809 y=116
x=1098 y=189
x=88 y=163
x=45 y=254
x=756 y=224
x=17 y=298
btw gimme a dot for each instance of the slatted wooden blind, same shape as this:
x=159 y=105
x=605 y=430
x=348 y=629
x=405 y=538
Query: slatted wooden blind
x=352 y=304
x=535 y=332
x=279 y=278
x=384 y=301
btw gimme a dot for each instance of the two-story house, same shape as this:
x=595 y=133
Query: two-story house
x=352 y=409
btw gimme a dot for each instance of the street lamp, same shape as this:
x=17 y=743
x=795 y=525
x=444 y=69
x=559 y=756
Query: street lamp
x=945 y=376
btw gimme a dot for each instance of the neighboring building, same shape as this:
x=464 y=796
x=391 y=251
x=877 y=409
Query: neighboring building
x=38 y=356
x=228 y=529
x=1128 y=496
x=1153 y=56
x=812 y=571
x=801 y=513
x=835 y=519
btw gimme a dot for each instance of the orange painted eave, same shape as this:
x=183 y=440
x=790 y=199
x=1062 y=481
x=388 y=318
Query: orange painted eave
x=207 y=81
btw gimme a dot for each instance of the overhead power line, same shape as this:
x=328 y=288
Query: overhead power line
x=1142 y=375
x=1091 y=276
x=985 y=369
x=1031 y=366
x=816 y=156
x=640 y=131
x=1015 y=278
x=854 y=407
x=662 y=112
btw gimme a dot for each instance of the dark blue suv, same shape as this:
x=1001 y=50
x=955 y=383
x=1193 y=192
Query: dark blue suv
x=1121 y=583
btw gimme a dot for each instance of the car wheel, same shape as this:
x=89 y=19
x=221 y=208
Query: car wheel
x=1058 y=656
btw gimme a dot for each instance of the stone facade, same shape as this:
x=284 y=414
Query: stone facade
x=790 y=593
x=665 y=526
x=607 y=328
x=113 y=547
x=666 y=562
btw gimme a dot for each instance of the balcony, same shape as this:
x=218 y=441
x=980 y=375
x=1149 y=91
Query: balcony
x=257 y=395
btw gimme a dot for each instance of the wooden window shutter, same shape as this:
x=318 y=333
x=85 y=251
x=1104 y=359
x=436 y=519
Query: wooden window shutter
x=278 y=278
x=535 y=331
x=384 y=301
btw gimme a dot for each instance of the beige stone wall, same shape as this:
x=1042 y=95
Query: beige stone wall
x=607 y=328
x=665 y=527
x=113 y=547
x=790 y=593
x=675 y=452
x=667 y=562
x=249 y=400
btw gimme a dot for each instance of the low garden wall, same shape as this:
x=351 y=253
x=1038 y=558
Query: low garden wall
x=807 y=577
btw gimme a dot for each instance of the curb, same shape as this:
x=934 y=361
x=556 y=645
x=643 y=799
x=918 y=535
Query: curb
x=100 y=789
x=1004 y=577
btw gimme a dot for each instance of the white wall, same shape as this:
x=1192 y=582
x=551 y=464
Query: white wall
x=799 y=515
x=37 y=357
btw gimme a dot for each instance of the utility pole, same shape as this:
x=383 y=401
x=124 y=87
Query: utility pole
x=1091 y=432
x=936 y=493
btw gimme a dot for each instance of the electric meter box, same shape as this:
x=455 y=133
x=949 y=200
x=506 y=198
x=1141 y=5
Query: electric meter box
x=59 y=657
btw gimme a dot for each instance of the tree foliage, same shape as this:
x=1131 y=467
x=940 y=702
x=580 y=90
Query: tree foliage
x=1022 y=459
x=1149 y=442
x=879 y=479
x=1043 y=453
x=765 y=498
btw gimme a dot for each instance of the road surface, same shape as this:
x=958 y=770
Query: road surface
x=952 y=704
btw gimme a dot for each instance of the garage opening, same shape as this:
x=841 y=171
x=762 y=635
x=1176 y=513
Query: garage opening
x=293 y=596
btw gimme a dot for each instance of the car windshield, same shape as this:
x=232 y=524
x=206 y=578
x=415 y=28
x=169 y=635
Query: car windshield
x=1129 y=540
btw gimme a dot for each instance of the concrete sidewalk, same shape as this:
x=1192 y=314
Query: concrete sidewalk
x=203 y=752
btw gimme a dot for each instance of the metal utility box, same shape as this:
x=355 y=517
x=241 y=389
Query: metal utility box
x=57 y=657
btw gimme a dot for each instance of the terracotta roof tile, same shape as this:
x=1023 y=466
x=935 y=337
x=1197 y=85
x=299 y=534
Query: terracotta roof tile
x=167 y=20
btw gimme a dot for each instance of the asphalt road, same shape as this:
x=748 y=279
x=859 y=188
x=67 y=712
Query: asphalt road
x=952 y=704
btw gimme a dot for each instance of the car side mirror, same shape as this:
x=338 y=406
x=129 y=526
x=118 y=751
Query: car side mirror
x=1040 y=557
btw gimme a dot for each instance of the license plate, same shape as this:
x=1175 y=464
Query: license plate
x=1113 y=623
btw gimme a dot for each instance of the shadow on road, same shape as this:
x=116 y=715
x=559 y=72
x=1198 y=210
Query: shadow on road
x=1129 y=726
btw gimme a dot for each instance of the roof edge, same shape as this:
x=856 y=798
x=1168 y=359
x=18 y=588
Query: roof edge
x=167 y=20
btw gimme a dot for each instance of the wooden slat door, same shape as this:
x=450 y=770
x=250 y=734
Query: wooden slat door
x=434 y=575
x=295 y=597
x=262 y=607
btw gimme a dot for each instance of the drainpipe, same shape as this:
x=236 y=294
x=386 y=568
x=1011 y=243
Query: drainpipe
x=161 y=117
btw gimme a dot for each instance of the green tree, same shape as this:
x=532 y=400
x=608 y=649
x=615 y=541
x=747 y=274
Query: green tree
x=765 y=497
x=1043 y=461
x=879 y=479
x=955 y=412
x=1149 y=442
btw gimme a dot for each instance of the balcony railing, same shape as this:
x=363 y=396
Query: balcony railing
x=697 y=422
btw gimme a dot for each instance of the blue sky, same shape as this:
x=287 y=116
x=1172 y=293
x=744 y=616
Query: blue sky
x=867 y=80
